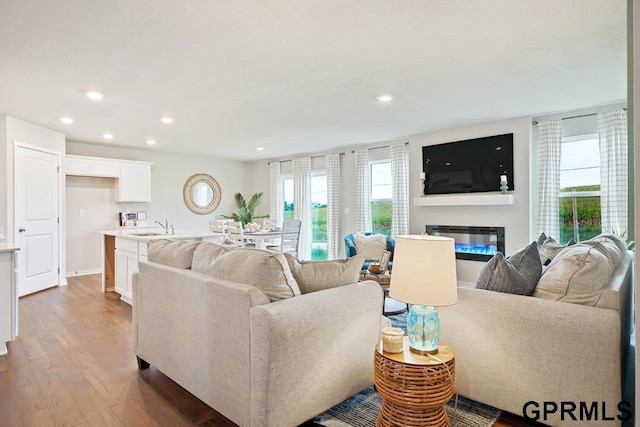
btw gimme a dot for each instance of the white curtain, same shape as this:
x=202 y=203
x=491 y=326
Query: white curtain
x=302 y=204
x=549 y=140
x=363 y=191
x=612 y=131
x=399 y=190
x=332 y=164
x=276 y=204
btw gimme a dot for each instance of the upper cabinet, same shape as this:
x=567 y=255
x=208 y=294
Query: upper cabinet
x=133 y=178
x=92 y=166
x=134 y=184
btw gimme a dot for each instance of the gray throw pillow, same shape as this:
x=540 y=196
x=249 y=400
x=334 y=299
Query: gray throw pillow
x=517 y=274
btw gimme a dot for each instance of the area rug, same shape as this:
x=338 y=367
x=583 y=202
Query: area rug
x=362 y=409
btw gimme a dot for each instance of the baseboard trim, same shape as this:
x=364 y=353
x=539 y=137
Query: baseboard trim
x=83 y=272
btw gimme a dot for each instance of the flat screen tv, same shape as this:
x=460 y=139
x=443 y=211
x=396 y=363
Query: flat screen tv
x=470 y=166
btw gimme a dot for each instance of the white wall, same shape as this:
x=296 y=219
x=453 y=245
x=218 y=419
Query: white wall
x=90 y=207
x=16 y=130
x=168 y=174
x=515 y=218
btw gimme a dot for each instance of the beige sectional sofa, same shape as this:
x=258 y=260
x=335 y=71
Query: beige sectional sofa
x=513 y=349
x=239 y=332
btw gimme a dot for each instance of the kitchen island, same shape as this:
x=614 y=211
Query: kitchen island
x=123 y=248
x=8 y=294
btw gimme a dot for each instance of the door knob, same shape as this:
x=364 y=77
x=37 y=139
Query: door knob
x=22 y=230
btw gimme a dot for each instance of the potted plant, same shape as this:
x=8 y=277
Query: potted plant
x=246 y=211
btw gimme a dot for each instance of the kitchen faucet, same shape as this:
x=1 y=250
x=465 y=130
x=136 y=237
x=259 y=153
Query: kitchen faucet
x=165 y=226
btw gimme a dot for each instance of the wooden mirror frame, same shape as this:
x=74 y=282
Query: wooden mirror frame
x=215 y=188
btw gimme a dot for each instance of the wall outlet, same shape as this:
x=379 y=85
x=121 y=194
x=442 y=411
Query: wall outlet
x=347 y=211
x=81 y=212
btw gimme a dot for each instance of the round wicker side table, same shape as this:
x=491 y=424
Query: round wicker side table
x=414 y=388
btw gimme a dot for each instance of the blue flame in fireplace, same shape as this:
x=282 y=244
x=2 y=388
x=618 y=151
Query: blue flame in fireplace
x=476 y=249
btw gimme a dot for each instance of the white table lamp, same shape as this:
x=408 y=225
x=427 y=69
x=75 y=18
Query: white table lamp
x=424 y=274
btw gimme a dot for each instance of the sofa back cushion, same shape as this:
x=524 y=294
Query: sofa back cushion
x=578 y=274
x=266 y=270
x=550 y=248
x=517 y=274
x=370 y=247
x=174 y=253
x=313 y=276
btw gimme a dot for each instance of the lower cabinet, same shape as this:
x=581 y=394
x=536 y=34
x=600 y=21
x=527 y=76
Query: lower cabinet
x=127 y=254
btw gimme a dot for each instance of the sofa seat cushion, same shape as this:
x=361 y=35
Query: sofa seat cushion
x=266 y=270
x=174 y=253
x=370 y=247
x=578 y=274
x=313 y=276
x=517 y=274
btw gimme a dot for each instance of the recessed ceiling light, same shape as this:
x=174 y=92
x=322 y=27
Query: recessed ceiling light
x=151 y=141
x=66 y=120
x=384 y=98
x=260 y=148
x=107 y=135
x=167 y=120
x=94 y=96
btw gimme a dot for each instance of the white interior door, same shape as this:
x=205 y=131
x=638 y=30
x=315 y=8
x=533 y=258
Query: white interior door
x=36 y=198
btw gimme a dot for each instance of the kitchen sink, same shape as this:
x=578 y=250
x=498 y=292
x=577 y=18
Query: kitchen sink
x=149 y=233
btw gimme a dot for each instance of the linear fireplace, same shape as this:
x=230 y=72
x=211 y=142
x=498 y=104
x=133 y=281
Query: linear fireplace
x=472 y=243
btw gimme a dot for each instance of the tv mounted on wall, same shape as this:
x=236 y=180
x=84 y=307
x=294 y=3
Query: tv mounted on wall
x=469 y=166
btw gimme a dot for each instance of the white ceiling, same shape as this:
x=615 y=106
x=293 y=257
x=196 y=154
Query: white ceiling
x=301 y=76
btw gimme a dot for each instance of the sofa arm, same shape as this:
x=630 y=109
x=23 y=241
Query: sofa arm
x=315 y=349
x=196 y=330
x=511 y=349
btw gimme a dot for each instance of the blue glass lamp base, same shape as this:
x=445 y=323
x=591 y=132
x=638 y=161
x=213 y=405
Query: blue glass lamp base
x=423 y=329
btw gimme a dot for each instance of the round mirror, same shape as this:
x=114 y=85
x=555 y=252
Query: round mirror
x=201 y=194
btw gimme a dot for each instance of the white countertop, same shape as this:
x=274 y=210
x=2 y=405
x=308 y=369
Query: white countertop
x=8 y=247
x=143 y=234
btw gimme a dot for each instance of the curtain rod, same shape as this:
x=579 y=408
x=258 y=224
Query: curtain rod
x=312 y=157
x=535 y=123
x=377 y=148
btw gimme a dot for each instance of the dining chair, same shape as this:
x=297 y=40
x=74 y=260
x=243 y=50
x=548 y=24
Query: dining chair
x=218 y=228
x=270 y=224
x=235 y=232
x=290 y=238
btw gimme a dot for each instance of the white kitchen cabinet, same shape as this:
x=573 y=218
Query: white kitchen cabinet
x=127 y=254
x=92 y=166
x=134 y=184
x=8 y=295
x=133 y=178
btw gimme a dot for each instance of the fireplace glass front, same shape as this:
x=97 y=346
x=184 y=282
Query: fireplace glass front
x=472 y=243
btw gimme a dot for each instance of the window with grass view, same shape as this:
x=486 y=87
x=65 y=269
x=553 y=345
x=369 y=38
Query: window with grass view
x=319 y=247
x=381 y=196
x=580 y=216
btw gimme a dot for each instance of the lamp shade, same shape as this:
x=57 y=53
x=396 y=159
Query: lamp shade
x=424 y=270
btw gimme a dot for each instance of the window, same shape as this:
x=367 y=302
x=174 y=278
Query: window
x=287 y=196
x=381 y=196
x=319 y=247
x=580 y=216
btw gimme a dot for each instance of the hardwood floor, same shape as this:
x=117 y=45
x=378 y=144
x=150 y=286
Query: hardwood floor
x=73 y=365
